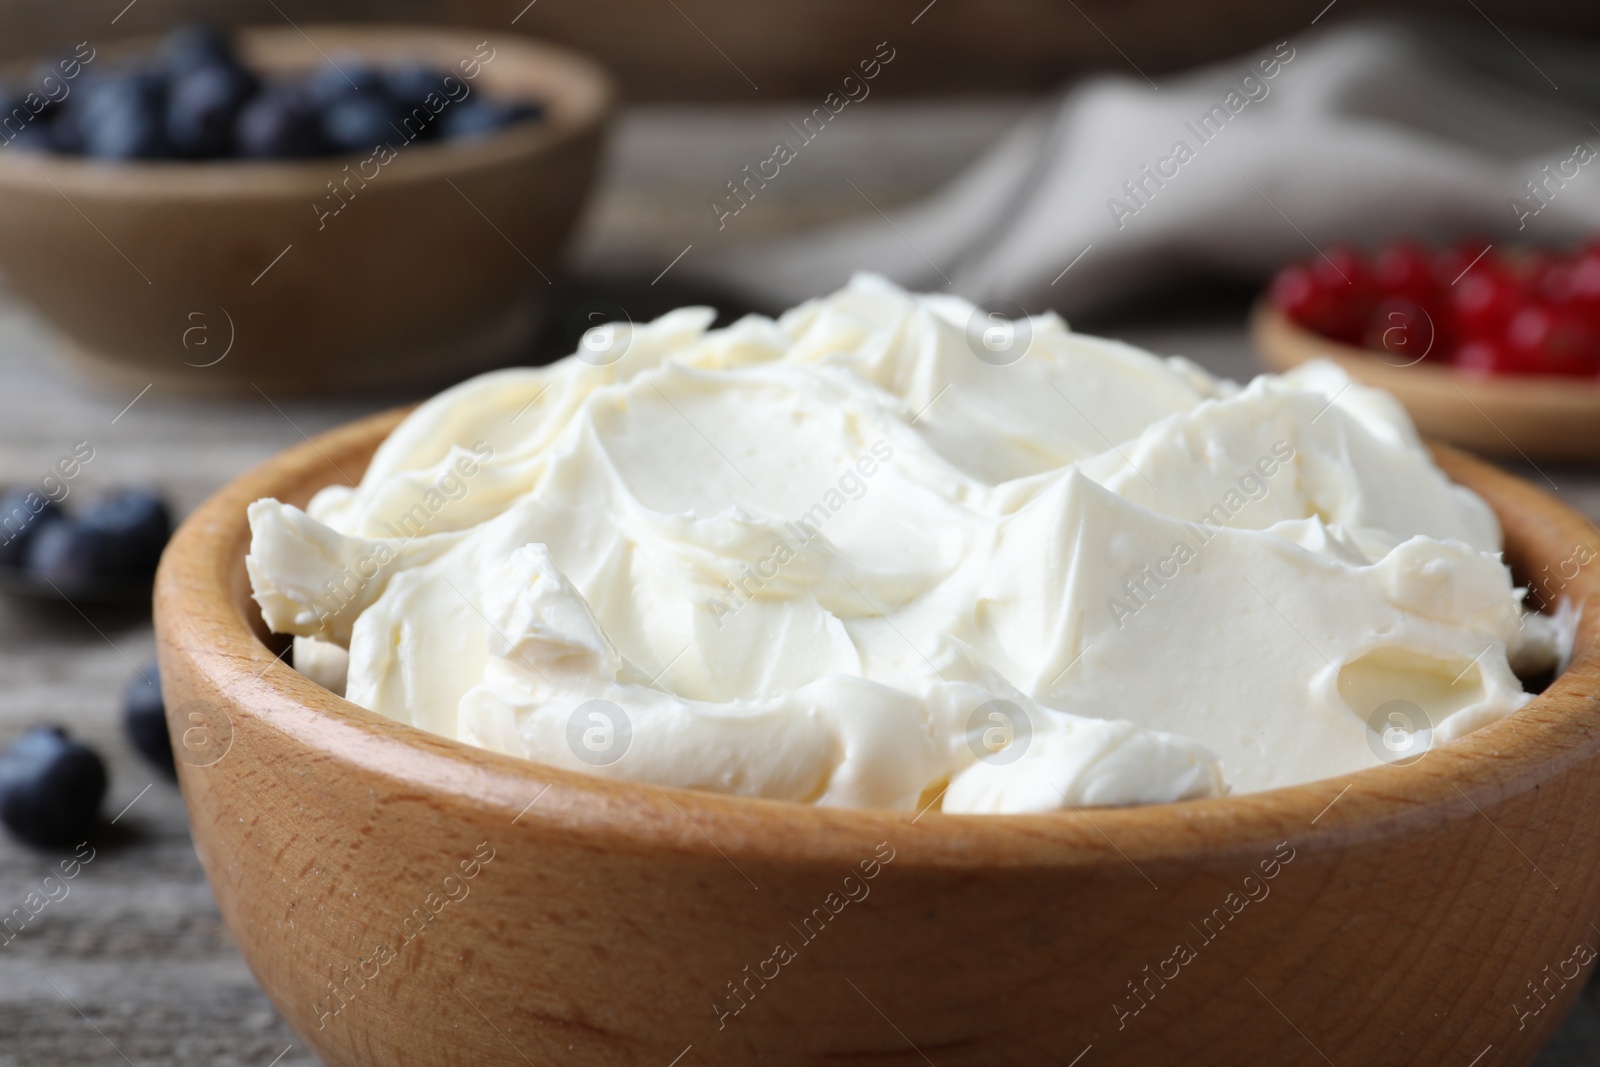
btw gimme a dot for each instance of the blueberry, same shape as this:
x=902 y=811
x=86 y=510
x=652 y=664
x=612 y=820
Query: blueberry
x=127 y=130
x=410 y=84
x=20 y=127
x=50 y=788
x=50 y=85
x=23 y=513
x=279 y=123
x=72 y=557
x=123 y=117
x=342 y=78
x=66 y=130
x=144 y=716
x=360 y=123
x=118 y=539
x=203 y=108
x=479 y=118
x=138 y=523
x=36 y=136
x=194 y=46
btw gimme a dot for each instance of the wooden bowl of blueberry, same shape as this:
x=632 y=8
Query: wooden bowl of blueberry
x=345 y=208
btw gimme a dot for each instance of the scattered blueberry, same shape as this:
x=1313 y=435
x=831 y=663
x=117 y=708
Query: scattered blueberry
x=139 y=525
x=144 y=716
x=118 y=539
x=279 y=124
x=23 y=513
x=360 y=123
x=50 y=788
x=203 y=108
x=476 y=118
x=70 y=556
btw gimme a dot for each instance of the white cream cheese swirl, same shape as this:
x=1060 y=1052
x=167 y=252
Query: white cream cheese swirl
x=837 y=558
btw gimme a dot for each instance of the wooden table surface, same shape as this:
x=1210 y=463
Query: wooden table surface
x=134 y=965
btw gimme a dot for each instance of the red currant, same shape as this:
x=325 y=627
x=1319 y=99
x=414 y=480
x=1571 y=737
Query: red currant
x=1404 y=268
x=1585 y=283
x=1533 y=311
x=1482 y=302
x=1483 y=356
x=1344 y=278
x=1297 y=294
x=1404 y=332
x=1553 y=340
x=1466 y=257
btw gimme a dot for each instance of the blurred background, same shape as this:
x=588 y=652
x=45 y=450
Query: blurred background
x=969 y=168
x=798 y=49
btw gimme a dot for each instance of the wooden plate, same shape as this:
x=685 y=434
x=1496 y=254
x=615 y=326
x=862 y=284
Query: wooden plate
x=1532 y=417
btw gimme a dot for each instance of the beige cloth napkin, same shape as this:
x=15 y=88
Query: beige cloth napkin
x=1356 y=133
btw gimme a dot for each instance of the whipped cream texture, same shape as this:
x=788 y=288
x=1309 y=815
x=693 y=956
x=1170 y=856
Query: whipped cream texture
x=838 y=558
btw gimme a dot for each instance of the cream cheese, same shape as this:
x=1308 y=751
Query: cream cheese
x=841 y=558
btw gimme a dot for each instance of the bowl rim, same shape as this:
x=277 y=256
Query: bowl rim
x=582 y=91
x=204 y=614
x=1284 y=343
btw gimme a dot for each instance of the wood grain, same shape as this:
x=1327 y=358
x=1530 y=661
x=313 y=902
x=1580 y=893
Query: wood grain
x=615 y=915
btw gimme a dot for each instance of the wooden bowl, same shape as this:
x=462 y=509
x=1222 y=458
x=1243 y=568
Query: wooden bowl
x=1528 y=416
x=608 y=922
x=211 y=276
